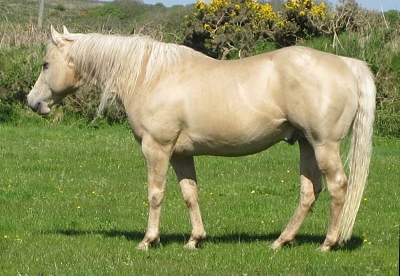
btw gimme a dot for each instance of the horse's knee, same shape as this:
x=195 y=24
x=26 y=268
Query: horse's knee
x=156 y=197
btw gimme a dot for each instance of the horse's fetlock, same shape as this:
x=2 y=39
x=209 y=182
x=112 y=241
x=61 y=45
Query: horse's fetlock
x=198 y=236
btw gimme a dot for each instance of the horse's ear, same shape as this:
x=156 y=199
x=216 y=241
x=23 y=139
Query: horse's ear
x=65 y=30
x=55 y=36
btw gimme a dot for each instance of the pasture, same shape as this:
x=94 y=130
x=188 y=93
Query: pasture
x=73 y=201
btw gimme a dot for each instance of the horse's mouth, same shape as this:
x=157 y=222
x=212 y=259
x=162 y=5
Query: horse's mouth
x=42 y=107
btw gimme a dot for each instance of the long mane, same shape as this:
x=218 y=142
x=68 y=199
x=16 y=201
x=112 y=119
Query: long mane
x=116 y=63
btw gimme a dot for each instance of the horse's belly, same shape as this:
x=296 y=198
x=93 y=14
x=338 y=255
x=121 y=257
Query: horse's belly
x=234 y=142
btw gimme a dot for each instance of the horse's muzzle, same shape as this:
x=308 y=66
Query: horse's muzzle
x=41 y=107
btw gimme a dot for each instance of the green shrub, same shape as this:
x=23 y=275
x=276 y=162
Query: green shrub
x=60 y=7
x=109 y=9
x=7 y=113
x=392 y=17
x=19 y=68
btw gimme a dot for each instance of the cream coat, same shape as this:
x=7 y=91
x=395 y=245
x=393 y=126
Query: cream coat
x=181 y=103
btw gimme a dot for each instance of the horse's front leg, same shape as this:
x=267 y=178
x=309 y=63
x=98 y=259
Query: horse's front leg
x=157 y=159
x=185 y=171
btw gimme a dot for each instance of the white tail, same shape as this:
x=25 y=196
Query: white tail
x=361 y=146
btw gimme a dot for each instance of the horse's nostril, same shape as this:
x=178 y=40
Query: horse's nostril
x=36 y=106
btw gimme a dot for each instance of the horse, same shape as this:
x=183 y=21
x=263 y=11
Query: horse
x=181 y=103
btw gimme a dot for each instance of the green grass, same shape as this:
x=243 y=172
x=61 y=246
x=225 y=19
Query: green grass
x=73 y=202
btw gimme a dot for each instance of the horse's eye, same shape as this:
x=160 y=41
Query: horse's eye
x=45 y=65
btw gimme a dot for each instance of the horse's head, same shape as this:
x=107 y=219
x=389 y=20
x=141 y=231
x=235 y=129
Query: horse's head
x=58 y=77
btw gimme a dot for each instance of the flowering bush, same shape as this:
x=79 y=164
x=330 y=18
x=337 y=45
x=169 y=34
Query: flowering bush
x=299 y=14
x=226 y=28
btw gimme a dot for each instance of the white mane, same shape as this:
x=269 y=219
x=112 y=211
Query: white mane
x=115 y=63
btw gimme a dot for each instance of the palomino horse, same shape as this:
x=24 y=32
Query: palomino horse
x=181 y=103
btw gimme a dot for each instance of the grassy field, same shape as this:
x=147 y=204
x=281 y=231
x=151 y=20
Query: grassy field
x=73 y=201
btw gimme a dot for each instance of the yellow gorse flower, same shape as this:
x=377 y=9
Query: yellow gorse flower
x=319 y=10
x=225 y=26
x=307 y=6
x=292 y=4
x=201 y=5
x=216 y=5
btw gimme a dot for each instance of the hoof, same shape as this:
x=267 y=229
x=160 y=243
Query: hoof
x=191 y=245
x=324 y=248
x=143 y=246
x=328 y=245
x=279 y=244
x=275 y=246
x=194 y=240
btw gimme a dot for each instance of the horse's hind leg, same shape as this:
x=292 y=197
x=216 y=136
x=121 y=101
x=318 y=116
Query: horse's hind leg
x=185 y=171
x=328 y=157
x=310 y=176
